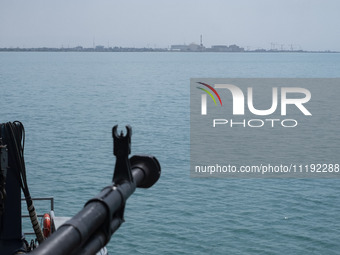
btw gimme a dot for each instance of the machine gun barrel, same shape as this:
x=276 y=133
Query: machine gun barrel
x=91 y=228
x=87 y=231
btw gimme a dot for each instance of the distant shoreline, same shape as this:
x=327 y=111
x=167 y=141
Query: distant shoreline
x=127 y=49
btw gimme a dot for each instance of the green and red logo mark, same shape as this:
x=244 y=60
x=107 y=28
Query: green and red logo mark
x=204 y=96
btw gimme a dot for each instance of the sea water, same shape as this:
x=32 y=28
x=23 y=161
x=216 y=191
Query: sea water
x=68 y=103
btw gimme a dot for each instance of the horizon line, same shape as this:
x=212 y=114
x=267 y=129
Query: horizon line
x=100 y=48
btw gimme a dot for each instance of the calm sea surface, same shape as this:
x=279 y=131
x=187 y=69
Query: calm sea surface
x=68 y=103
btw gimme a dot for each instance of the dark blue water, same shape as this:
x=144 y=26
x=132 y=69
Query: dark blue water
x=69 y=102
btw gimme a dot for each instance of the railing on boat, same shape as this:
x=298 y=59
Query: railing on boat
x=51 y=199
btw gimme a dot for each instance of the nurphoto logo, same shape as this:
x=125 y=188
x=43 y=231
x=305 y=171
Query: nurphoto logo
x=295 y=96
x=264 y=127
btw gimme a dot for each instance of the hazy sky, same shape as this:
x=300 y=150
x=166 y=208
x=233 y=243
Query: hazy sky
x=309 y=24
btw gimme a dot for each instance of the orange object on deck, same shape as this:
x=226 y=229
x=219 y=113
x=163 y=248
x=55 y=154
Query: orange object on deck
x=47 y=225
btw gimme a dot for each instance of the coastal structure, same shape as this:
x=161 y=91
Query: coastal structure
x=200 y=47
x=192 y=47
x=225 y=48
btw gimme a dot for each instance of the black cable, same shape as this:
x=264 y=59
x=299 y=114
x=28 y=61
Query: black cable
x=16 y=143
x=3 y=176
